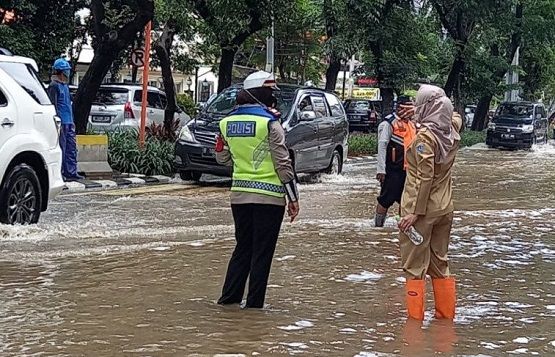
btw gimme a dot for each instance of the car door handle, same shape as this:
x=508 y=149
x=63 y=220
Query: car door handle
x=7 y=122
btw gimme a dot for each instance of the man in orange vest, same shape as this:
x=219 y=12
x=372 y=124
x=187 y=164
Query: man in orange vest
x=395 y=134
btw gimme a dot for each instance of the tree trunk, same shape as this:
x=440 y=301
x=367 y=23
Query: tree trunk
x=225 y=71
x=88 y=87
x=387 y=100
x=163 y=48
x=482 y=109
x=332 y=73
x=134 y=74
x=282 y=73
x=454 y=78
x=386 y=91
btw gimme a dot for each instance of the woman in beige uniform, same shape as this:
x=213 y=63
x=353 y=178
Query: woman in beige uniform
x=427 y=203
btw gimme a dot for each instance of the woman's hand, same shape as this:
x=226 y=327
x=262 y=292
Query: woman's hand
x=408 y=221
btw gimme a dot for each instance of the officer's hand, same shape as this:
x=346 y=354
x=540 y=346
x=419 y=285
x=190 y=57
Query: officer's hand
x=380 y=178
x=293 y=210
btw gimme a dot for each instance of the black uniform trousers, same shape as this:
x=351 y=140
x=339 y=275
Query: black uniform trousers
x=257 y=229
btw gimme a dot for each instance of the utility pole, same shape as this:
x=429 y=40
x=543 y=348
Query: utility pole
x=351 y=77
x=513 y=95
x=270 y=50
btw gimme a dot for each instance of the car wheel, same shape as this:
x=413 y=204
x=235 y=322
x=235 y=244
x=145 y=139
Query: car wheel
x=336 y=166
x=190 y=175
x=21 y=196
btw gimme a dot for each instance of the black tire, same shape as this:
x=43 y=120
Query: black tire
x=190 y=175
x=20 y=196
x=336 y=164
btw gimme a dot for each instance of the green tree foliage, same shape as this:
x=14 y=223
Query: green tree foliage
x=114 y=27
x=41 y=29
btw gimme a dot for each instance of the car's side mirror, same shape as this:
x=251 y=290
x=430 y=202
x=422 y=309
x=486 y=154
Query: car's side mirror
x=308 y=116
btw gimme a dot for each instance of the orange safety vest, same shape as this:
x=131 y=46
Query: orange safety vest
x=403 y=136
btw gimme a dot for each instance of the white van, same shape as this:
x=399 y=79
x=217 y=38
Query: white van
x=30 y=154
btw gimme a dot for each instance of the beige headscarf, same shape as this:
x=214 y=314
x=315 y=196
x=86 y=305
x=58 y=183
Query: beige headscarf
x=435 y=112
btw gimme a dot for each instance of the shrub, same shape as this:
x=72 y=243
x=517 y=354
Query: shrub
x=363 y=144
x=471 y=138
x=159 y=131
x=187 y=104
x=367 y=144
x=125 y=155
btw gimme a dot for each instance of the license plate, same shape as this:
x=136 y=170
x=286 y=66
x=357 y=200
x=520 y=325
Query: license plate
x=208 y=152
x=101 y=119
x=507 y=136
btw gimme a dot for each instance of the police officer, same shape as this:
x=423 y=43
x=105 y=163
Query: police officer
x=58 y=92
x=427 y=203
x=395 y=133
x=253 y=142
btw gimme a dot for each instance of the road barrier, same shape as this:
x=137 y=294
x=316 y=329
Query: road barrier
x=92 y=157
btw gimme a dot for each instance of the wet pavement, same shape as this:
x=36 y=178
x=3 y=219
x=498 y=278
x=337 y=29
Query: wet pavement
x=137 y=272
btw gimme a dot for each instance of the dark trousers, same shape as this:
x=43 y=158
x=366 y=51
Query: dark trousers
x=256 y=232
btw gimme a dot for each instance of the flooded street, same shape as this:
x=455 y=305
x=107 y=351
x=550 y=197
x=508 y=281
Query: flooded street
x=137 y=272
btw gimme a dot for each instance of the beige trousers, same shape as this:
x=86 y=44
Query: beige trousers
x=431 y=256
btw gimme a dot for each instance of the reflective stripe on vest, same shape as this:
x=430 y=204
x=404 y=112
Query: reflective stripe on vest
x=253 y=168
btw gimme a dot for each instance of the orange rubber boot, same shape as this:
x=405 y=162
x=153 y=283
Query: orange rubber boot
x=415 y=295
x=445 y=297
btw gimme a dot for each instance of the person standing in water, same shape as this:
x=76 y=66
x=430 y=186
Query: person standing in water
x=427 y=203
x=252 y=140
x=395 y=134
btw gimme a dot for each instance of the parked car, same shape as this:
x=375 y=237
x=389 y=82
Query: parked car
x=118 y=106
x=469 y=112
x=315 y=124
x=30 y=155
x=363 y=115
x=518 y=125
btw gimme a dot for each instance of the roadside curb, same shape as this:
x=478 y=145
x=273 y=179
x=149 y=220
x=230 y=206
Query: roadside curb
x=120 y=182
x=360 y=158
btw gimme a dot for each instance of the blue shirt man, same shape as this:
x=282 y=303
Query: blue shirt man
x=60 y=97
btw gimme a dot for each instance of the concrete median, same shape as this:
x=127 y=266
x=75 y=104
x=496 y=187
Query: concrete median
x=93 y=156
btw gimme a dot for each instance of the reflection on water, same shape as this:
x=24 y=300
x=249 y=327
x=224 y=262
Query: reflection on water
x=138 y=275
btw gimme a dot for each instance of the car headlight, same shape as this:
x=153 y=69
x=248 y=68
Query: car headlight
x=491 y=126
x=528 y=129
x=186 y=135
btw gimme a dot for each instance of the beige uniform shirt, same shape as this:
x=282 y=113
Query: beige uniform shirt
x=282 y=164
x=428 y=188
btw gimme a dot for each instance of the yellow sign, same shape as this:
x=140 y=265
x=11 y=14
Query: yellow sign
x=367 y=93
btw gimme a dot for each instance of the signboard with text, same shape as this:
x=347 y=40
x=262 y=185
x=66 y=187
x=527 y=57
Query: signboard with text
x=367 y=93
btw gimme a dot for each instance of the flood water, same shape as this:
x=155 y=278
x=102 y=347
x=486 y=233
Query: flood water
x=137 y=272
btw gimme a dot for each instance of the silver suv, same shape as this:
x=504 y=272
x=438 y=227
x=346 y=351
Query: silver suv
x=118 y=106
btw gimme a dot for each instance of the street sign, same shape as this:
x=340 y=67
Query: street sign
x=367 y=93
x=138 y=57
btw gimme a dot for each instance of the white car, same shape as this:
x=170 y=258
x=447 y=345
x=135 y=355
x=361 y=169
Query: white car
x=118 y=106
x=30 y=154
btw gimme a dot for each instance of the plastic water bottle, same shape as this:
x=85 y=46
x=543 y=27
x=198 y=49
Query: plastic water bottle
x=415 y=237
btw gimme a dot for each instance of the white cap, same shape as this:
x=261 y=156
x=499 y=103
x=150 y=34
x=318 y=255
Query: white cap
x=260 y=79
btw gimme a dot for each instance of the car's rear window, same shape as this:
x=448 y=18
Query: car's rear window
x=112 y=96
x=28 y=79
x=225 y=101
x=358 y=105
